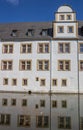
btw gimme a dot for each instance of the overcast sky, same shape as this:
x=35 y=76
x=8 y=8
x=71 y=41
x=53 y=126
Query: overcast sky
x=35 y=10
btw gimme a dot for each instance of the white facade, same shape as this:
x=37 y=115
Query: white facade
x=68 y=80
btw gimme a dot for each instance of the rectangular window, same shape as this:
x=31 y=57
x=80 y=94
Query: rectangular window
x=69 y=17
x=13 y=102
x=64 y=65
x=42 y=103
x=70 y=29
x=24 y=82
x=62 y=17
x=64 y=47
x=81 y=123
x=14 y=82
x=54 y=82
x=26 y=48
x=4 y=102
x=64 y=82
x=5 y=81
x=81 y=65
x=4 y=119
x=43 y=65
x=43 y=48
x=42 y=82
x=60 y=29
x=64 y=122
x=7 y=48
x=54 y=103
x=24 y=121
x=6 y=65
x=64 y=104
x=24 y=102
x=42 y=121
x=25 y=64
x=81 y=47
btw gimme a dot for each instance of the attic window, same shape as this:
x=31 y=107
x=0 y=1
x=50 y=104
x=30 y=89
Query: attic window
x=30 y=32
x=82 y=30
x=14 y=32
x=44 y=32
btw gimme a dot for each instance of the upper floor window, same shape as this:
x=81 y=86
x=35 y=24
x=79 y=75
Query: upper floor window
x=5 y=81
x=42 y=103
x=42 y=121
x=43 y=47
x=24 y=120
x=25 y=64
x=64 y=47
x=81 y=65
x=81 y=47
x=70 y=29
x=24 y=102
x=4 y=102
x=14 y=82
x=60 y=29
x=43 y=65
x=62 y=17
x=13 y=102
x=7 y=48
x=64 y=104
x=6 y=65
x=30 y=32
x=54 y=82
x=24 y=82
x=64 y=122
x=69 y=17
x=44 y=32
x=26 y=48
x=4 y=119
x=64 y=65
x=42 y=82
x=64 y=82
x=54 y=103
x=14 y=33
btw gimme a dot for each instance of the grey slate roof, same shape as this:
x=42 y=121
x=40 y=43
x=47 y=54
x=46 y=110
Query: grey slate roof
x=6 y=30
x=22 y=28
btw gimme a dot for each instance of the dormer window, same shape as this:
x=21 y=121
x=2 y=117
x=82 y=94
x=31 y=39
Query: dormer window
x=14 y=32
x=61 y=17
x=68 y=17
x=30 y=32
x=44 y=32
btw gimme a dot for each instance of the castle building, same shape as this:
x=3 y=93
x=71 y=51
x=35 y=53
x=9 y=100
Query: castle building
x=43 y=57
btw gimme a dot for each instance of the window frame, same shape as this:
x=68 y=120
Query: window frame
x=62 y=84
x=63 y=122
x=24 y=119
x=64 y=48
x=68 y=29
x=7 y=66
x=26 y=48
x=44 y=82
x=21 y=68
x=8 y=49
x=60 y=29
x=54 y=80
x=64 y=65
x=41 y=48
x=43 y=67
